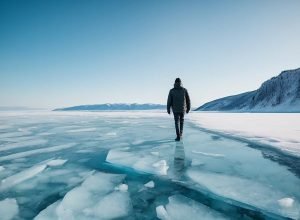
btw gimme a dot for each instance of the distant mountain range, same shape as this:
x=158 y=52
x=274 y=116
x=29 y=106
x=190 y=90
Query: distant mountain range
x=278 y=94
x=115 y=106
x=17 y=108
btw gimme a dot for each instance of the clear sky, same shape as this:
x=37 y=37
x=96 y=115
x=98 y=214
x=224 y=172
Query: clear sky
x=56 y=53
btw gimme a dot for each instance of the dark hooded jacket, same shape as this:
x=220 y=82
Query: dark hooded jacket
x=179 y=99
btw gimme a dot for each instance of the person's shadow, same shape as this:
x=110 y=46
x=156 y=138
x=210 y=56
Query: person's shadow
x=179 y=159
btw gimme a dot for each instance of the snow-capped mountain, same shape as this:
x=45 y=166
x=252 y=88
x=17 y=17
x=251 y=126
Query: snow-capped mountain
x=278 y=94
x=115 y=106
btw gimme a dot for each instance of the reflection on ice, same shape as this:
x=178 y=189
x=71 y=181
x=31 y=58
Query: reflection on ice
x=179 y=159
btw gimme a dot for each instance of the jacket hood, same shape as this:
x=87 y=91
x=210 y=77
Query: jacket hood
x=177 y=85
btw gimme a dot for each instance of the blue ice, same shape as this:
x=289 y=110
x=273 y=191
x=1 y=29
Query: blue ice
x=126 y=166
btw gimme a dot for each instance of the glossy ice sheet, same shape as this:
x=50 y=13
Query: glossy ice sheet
x=55 y=160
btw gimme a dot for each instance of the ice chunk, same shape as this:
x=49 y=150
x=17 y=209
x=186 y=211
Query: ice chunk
x=114 y=205
x=155 y=153
x=145 y=162
x=161 y=166
x=8 y=209
x=37 y=151
x=150 y=184
x=77 y=199
x=95 y=198
x=180 y=207
x=102 y=183
x=122 y=187
x=244 y=190
x=161 y=213
x=49 y=213
x=57 y=162
x=21 y=176
x=286 y=202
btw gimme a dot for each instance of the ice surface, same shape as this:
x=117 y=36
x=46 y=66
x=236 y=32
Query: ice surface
x=26 y=143
x=8 y=209
x=37 y=151
x=180 y=207
x=59 y=165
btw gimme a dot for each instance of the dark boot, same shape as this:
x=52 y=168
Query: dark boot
x=177 y=138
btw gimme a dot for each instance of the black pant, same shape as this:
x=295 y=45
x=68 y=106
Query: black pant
x=179 y=119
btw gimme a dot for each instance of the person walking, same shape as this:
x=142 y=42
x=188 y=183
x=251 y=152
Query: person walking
x=179 y=101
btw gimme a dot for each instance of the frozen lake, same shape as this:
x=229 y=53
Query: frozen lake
x=126 y=165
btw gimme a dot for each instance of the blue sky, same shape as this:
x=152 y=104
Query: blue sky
x=63 y=53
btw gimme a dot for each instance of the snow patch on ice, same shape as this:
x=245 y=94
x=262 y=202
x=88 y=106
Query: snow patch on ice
x=138 y=142
x=208 y=154
x=286 y=202
x=155 y=153
x=111 y=134
x=122 y=187
x=81 y=130
x=57 y=162
x=278 y=129
x=84 y=151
